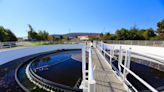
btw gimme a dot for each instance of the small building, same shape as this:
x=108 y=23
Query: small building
x=83 y=37
x=86 y=37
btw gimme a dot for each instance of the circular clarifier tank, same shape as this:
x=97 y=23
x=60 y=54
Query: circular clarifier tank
x=58 y=70
x=63 y=67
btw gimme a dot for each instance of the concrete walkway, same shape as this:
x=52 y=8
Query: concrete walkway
x=106 y=80
x=13 y=48
x=154 y=52
x=9 y=55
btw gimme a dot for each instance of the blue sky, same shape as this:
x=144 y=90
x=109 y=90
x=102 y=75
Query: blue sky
x=63 y=16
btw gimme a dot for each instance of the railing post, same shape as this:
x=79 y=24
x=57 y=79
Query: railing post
x=145 y=43
x=110 y=60
x=153 y=43
x=120 y=60
x=91 y=86
x=84 y=62
x=104 y=49
x=126 y=63
x=101 y=45
x=111 y=53
x=91 y=81
x=0 y=45
x=131 y=42
x=84 y=82
x=10 y=43
x=128 y=60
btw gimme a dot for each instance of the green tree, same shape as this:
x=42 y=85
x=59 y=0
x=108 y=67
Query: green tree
x=61 y=37
x=94 y=38
x=66 y=38
x=140 y=34
x=160 y=29
x=10 y=36
x=43 y=35
x=155 y=38
x=148 y=34
x=101 y=36
x=107 y=36
x=134 y=34
x=122 y=34
x=2 y=34
x=51 y=38
x=6 y=35
x=32 y=35
x=160 y=26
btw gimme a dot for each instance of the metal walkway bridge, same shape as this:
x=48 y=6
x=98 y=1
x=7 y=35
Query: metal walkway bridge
x=106 y=80
x=102 y=76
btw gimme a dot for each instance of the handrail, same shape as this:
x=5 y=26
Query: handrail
x=132 y=73
x=88 y=83
x=140 y=79
x=91 y=80
x=137 y=42
x=91 y=74
x=143 y=55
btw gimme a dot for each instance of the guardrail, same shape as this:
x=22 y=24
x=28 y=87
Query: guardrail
x=91 y=80
x=136 y=42
x=7 y=44
x=88 y=83
x=126 y=65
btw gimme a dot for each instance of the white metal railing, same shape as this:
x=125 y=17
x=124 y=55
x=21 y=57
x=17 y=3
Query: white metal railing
x=7 y=44
x=88 y=83
x=137 y=42
x=126 y=66
x=91 y=80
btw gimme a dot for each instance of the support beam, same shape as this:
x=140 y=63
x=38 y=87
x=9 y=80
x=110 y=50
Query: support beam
x=84 y=61
x=120 y=60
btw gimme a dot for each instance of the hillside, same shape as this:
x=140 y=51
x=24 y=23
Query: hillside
x=76 y=34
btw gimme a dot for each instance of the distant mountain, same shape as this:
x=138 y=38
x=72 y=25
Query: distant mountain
x=76 y=34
